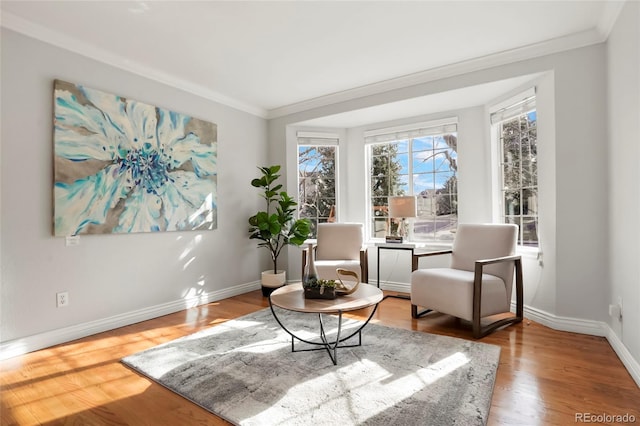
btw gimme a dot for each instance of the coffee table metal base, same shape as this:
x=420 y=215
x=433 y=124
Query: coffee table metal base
x=330 y=346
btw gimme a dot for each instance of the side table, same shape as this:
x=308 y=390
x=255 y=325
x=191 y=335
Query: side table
x=393 y=246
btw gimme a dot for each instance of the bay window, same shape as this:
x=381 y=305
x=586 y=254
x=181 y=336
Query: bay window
x=317 y=160
x=515 y=127
x=419 y=160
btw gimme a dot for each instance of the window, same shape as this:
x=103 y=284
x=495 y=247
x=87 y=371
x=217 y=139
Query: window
x=419 y=160
x=317 y=158
x=516 y=130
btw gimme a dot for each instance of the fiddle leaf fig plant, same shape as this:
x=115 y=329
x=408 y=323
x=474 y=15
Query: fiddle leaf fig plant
x=276 y=227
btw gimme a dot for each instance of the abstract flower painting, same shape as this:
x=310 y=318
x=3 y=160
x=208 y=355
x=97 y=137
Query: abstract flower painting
x=122 y=166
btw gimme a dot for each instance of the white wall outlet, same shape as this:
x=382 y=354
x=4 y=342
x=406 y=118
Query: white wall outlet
x=62 y=299
x=615 y=311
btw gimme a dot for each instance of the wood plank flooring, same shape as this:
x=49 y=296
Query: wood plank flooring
x=545 y=377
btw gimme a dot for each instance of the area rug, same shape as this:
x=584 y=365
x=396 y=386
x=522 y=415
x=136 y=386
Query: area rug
x=244 y=371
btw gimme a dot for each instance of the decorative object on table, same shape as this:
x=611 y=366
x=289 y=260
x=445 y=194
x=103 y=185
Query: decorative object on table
x=276 y=226
x=342 y=288
x=123 y=166
x=310 y=275
x=340 y=245
x=320 y=289
x=401 y=207
x=433 y=380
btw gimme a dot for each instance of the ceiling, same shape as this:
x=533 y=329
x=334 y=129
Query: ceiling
x=271 y=58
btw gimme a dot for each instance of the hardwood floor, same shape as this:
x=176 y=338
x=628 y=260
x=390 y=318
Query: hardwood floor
x=545 y=377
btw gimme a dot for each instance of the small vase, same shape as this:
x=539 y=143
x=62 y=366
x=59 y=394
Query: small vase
x=310 y=276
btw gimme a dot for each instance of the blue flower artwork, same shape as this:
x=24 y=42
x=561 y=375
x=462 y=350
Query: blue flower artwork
x=122 y=166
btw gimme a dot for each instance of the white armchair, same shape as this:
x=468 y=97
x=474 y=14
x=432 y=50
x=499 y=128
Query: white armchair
x=340 y=245
x=478 y=282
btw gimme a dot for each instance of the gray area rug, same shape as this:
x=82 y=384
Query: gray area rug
x=244 y=371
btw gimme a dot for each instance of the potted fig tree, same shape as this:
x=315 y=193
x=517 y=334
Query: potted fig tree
x=276 y=227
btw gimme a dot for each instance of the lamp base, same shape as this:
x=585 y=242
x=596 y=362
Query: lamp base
x=393 y=239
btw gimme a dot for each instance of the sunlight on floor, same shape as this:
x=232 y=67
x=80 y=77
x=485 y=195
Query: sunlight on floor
x=343 y=388
x=78 y=394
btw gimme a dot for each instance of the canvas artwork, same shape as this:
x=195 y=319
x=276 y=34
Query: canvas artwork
x=122 y=166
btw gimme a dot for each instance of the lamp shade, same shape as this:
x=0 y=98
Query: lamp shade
x=402 y=206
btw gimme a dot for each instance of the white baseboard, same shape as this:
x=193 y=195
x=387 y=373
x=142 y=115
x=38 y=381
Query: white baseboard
x=573 y=325
x=632 y=365
x=392 y=286
x=593 y=328
x=39 y=341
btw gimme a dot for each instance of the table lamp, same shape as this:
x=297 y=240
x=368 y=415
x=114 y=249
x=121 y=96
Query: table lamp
x=401 y=207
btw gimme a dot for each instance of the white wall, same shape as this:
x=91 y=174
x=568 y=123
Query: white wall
x=581 y=175
x=623 y=59
x=589 y=250
x=573 y=282
x=111 y=279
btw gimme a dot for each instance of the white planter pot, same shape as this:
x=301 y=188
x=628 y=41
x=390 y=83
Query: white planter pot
x=269 y=279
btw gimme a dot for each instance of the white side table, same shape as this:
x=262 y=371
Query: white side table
x=393 y=246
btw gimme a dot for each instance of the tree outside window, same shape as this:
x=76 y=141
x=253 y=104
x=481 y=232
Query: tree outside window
x=518 y=143
x=425 y=166
x=317 y=184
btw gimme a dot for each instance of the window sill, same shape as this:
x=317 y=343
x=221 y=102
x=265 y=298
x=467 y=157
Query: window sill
x=529 y=252
x=436 y=245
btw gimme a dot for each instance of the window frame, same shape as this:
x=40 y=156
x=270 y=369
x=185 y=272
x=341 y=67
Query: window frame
x=319 y=139
x=514 y=107
x=407 y=132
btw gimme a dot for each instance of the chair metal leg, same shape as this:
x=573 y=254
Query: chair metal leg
x=416 y=314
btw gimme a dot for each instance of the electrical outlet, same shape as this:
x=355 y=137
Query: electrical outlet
x=620 y=305
x=62 y=299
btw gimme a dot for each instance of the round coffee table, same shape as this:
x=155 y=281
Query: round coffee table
x=291 y=298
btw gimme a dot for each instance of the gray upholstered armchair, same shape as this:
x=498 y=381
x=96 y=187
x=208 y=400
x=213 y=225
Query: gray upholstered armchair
x=478 y=282
x=340 y=245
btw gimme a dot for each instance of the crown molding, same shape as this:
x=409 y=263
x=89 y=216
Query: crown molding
x=28 y=28
x=572 y=41
x=610 y=13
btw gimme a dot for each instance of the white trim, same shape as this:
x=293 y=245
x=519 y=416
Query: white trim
x=633 y=367
x=46 y=339
x=443 y=122
x=392 y=286
x=590 y=327
x=20 y=25
x=39 y=341
x=316 y=135
x=573 y=325
x=609 y=16
x=511 y=100
x=529 y=252
x=561 y=44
